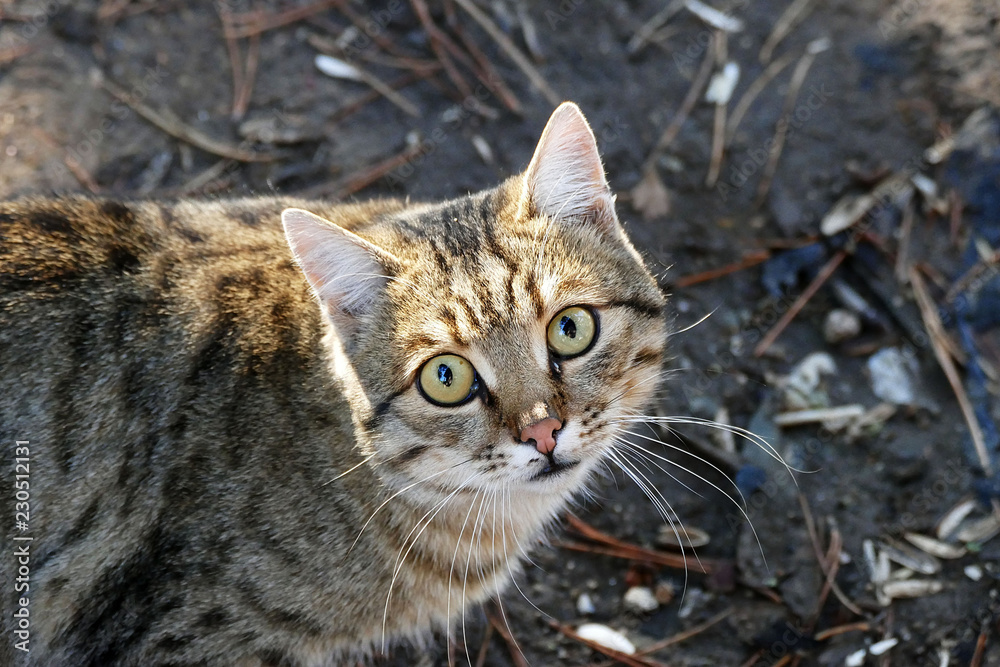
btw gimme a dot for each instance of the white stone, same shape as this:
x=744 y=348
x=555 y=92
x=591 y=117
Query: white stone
x=606 y=637
x=640 y=599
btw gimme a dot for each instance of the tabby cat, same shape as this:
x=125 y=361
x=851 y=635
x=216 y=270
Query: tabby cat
x=270 y=431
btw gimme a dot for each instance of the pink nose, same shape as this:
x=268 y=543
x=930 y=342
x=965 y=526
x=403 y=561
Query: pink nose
x=543 y=433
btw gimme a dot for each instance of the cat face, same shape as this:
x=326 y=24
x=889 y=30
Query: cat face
x=493 y=341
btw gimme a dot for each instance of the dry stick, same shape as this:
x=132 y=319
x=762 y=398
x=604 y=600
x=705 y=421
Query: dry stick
x=792 y=15
x=754 y=658
x=821 y=277
x=366 y=177
x=830 y=564
x=626 y=550
x=521 y=60
x=501 y=627
x=204 y=178
x=437 y=39
x=752 y=258
x=484 y=647
x=649 y=28
x=755 y=89
x=382 y=88
x=903 y=254
x=781 y=131
x=74 y=167
x=977 y=657
x=233 y=49
x=488 y=75
x=672 y=130
x=689 y=633
x=166 y=121
x=982 y=265
x=618 y=656
x=109 y=9
x=642 y=555
x=260 y=22
x=242 y=102
x=719 y=126
x=462 y=57
x=372 y=95
x=932 y=321
x=860 y=626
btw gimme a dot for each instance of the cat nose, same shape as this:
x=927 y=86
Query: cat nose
x=543 y=433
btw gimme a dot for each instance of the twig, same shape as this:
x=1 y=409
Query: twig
x=859 y=626
x=364 y=178
x=751 y=258
x=719 y=124
x=256 y=22
x=829 y=564
x=166 y=121
x=488 y=75
x=438 y=39
x=205 y=177
x=977 y=657
x=516 y=656
x=982 y=265
x=817 y=282
x=242 y=102
x=937 y=334
x=353 y=107
x=781 y=131
x=689 y=633
x=521 y=60
x=623 y=658
x=792 y=15
x=903 y=254
x=647 y=29
x=755 y=89
x=694 y=92
x=484 y=647
x=621 y=549
x=71 y=163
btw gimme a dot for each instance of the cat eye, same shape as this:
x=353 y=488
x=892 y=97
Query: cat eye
x=572 y=331
x=448 y=380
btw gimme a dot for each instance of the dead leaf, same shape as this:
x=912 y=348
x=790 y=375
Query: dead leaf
x=650 y=196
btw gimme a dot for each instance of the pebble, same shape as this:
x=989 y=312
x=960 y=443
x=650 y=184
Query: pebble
x=585 y=605
x=840 y=325
x=640 y=599
x=974 y=572
x=605 y=636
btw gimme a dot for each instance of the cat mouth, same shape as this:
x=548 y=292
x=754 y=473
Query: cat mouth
x=554 y=469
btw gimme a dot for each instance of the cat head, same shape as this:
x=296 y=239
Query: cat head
x=496 y=340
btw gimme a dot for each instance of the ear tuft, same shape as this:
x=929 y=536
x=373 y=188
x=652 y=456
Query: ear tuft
x=346 y=272
x=565 y=179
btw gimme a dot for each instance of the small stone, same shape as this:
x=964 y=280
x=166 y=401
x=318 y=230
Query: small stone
x=605 y=636
x=585 y=605
x=974 y=572
x=640 y=600
x=841 y=325
x=664 y=592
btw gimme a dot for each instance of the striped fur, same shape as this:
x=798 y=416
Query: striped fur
x=192 y=406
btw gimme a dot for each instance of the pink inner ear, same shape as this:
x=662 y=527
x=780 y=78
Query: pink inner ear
x=566 y=178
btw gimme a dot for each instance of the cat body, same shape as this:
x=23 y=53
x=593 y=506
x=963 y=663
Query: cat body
x=250 y=441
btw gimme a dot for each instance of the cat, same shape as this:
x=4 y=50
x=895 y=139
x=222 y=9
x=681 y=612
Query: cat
x=271 y=431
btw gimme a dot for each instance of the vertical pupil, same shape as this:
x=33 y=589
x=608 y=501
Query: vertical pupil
x=445 y=375
x=567 y=326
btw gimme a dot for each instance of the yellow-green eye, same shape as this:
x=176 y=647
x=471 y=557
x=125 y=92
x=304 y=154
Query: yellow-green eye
x=572 y=331
x=448 y=379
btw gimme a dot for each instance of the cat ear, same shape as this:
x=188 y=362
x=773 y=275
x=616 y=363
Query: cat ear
x=565 y=179
x=347 y=272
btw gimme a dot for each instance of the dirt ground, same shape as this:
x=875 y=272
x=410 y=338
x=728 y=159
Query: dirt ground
x=893 y=79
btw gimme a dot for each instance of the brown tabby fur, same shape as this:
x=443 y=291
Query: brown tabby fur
x=191 y=408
